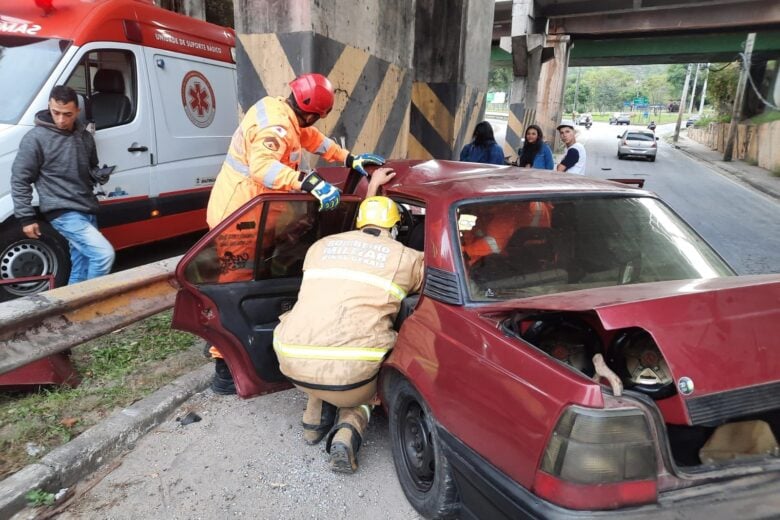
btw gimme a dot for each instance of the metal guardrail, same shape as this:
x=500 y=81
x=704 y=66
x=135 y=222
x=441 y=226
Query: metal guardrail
x=37 y=326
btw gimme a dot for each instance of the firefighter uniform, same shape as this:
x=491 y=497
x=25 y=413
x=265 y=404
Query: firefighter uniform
x=264 y=155
x=333 y=341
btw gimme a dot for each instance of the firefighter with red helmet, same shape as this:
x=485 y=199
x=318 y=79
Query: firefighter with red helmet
x=333 y=341
x=264 y=156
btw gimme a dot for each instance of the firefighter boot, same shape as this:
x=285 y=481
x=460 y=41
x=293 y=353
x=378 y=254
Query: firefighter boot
x=345 y=438
x=222 y=383
x=317 y=420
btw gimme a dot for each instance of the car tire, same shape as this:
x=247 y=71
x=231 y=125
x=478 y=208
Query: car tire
x=23 y=256
x=620 y=157
x=423 y=471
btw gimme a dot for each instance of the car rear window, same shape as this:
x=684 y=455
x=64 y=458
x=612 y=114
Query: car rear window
x=635 y=136
x=521 y=248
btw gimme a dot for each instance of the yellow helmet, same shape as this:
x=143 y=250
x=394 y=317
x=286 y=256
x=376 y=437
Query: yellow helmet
x=378 y=211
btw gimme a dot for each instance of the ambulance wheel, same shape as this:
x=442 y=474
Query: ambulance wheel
x=422 y=468
x=21 y=256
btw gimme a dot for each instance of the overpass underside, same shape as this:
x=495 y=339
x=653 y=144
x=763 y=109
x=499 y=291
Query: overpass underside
x=688 y=48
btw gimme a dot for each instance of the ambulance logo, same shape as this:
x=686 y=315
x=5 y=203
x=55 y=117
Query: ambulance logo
x=197 y=97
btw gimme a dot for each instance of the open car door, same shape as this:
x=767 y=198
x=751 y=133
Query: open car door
x=246 y=272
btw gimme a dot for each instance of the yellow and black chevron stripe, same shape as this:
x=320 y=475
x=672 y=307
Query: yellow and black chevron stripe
x=371 y=109
x=519 y=119
x=442 y=119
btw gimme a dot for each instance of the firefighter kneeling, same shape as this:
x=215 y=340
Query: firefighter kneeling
x=333 y=341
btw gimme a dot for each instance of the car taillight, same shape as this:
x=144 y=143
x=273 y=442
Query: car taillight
x=599 y=459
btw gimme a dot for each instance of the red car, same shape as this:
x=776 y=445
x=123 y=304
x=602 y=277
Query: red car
x=578 y=351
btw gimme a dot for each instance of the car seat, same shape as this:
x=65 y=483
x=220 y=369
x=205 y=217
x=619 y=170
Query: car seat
x=110 y=106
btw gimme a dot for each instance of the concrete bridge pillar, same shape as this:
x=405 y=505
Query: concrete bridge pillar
x=364 y=48
x=451 y=64
x=526 y=48
x=552 y=81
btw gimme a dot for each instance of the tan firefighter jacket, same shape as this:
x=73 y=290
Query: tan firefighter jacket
x=341 y=328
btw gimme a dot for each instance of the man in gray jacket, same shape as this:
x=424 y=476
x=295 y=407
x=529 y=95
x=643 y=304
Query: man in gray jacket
x=59 y=157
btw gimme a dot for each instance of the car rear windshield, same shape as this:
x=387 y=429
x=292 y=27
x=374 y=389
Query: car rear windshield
x=25 y=64
x=520 y=248
x=634 y=136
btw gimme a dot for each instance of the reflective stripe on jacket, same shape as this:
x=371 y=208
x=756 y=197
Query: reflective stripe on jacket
x=341 y=327
x=264 y=155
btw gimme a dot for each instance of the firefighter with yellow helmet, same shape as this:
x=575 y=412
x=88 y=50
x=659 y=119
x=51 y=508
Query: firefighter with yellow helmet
x=333 y=341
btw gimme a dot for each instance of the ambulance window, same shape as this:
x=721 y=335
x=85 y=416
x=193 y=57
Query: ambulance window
x=106 y=79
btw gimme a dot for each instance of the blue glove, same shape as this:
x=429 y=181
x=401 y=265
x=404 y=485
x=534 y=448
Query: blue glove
x=356 y=162
x=328 y=195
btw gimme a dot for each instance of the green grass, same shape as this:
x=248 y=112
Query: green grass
x=38 y=498
x=766 y=117
x=115 y=370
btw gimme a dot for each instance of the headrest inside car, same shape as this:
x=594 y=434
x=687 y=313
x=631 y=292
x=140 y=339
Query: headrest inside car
x=108 y=80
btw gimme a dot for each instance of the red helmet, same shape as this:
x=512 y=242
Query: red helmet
x=313 y=93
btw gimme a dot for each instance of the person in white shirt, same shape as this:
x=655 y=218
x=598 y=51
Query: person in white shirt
x=574 y=160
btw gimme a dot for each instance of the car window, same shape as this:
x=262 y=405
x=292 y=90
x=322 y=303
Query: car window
x=106 y=80
x=267 y=240
x=638 y=136
x=522 y=248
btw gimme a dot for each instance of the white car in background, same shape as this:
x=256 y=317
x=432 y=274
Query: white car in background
x=637 y=143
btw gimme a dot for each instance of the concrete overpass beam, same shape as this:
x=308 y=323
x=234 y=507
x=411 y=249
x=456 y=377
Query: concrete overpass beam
x=366 y=53
x=451 y=64
x=742 y=15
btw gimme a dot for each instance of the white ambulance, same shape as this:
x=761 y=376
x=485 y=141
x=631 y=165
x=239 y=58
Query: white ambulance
x=161 y=90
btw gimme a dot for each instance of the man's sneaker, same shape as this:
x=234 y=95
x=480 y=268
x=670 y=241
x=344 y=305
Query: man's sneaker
x=222 y=383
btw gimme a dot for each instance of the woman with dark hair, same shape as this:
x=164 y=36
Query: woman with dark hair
x=535 y=153
x=483 y=149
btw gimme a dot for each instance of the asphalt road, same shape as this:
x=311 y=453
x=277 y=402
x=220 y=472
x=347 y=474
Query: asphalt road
x=247 y=458
x=741 y=223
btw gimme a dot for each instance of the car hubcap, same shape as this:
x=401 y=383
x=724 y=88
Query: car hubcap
x=418 y=446
x=27 y=258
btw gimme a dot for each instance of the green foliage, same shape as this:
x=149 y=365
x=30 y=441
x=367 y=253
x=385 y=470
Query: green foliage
x=722 y=86
x=675 y=76
x=39 y=498
x=766 y=117
x=499 y=79
x=116 y=370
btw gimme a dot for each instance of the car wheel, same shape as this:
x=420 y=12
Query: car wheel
x=423 y=471
x=620 y=156
x=21 y=256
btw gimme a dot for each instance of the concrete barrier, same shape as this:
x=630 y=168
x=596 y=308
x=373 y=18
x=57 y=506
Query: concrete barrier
x=36 y=326
x=756 y=144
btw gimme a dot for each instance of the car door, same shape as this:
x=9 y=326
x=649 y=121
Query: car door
x=239 y=278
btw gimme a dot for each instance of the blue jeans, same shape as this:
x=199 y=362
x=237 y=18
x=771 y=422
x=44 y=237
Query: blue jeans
x=91 y=255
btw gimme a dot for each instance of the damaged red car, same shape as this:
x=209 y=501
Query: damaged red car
x=577 y=351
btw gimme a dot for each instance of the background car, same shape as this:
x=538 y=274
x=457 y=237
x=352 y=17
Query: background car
x=637 y=143
x=577 y=349
x=623 y=119
x=692 y=120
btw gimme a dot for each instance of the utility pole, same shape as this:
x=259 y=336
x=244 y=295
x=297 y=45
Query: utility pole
x=683 y=99
x=736 y=112
x=693 y=90
x=704 y=88
x=576 y=90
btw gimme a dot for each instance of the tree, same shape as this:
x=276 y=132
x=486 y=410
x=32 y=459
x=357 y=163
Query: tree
x=722 y=86
x=657 y=89
x=675 y=75
x=582 y=98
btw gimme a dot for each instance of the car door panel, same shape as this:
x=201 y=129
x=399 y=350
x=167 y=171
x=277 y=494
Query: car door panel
x=245 y=273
